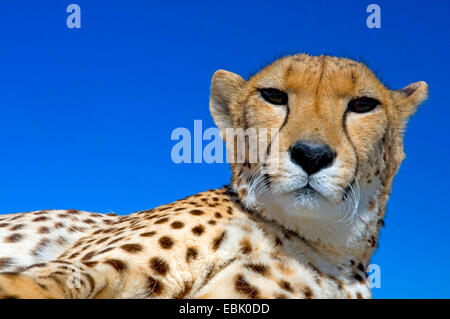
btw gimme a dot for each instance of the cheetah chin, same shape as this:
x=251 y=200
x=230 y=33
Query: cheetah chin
x=301 y=222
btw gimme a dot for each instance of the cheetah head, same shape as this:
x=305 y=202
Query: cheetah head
x=334 y=132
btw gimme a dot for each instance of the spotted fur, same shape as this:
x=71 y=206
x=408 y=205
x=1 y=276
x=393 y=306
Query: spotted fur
x=239 y=241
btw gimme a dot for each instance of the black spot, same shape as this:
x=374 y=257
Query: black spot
x=372 y=241
x=105 y=250
x=196 y=212
x=166 y=242
x=42 y=286
x=17 y=227
x=43 y=230
x=102 y=240
x=243 y=286
x=361 y=267
x=132 y=248
x=14 y=238
x=118 y=265
x=154 y=287
x=177 y=225
x=88 y=256
x=98 y=232
x=18 y=216
x=287 y=235
x=90 y=264
x=258 y=268
x=159 y=266
x=111 y=214
x=90 y=280
x=307 y=292
x=59 y=225
x=74 y=255
x=358 y=277
x=198 y=230
x=6 y=262
x=191 y=254
x=161 y=220
x=148 y=234
x=246 y=247
x=218 y=240
x=116 y=240
x=285 y=285
x=278 y=241
x=62 y=262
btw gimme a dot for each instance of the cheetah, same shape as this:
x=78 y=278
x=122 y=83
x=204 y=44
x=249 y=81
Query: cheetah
x=304 y=227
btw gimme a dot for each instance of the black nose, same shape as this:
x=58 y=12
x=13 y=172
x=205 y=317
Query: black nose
x=312 y=157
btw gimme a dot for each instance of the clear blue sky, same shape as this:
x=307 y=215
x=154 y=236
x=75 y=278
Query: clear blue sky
x=86 y=115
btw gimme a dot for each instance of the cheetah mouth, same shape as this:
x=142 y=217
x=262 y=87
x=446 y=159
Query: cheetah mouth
x=307 y=190
x=345 y=205
x=306 y=199
x=307 y=196
x=312 y=188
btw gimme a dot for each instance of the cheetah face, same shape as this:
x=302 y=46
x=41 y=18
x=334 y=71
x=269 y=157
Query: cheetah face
x=334 y=131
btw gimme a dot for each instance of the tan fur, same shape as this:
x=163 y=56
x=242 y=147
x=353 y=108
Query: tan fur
x=224 y=243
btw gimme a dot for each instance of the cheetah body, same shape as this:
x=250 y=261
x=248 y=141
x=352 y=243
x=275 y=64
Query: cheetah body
x=275 y=232
x=225 y=252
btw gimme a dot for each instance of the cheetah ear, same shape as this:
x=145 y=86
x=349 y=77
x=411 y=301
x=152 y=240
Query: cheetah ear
x=225 y=87
x=410 y=97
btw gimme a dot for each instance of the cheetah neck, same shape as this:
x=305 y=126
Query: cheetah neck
x=337 y=241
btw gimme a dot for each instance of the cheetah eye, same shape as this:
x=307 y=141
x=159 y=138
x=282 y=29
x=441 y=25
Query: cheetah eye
x=274 y=96
x=362 y=104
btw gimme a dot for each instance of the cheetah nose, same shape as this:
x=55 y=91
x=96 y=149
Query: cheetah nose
x=312 y=157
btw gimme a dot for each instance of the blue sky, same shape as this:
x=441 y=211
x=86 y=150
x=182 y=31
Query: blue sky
x=87 y=114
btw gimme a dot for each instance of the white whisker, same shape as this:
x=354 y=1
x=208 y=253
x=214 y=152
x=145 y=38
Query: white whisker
x=348 y=207
x=257 y=186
